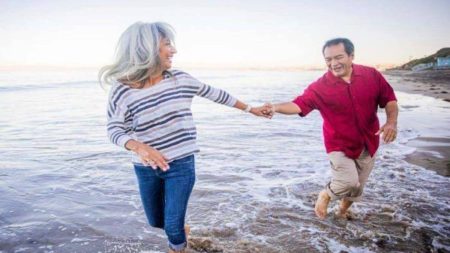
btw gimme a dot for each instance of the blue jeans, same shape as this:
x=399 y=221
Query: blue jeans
x=165 y=197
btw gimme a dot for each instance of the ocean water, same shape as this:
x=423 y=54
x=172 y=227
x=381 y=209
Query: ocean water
x=65 y=188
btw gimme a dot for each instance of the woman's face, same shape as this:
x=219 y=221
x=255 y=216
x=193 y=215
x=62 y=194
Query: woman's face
x=166 y=52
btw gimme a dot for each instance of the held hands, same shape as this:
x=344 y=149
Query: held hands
x=267 y=111
x=389 y=131
x=151 y=156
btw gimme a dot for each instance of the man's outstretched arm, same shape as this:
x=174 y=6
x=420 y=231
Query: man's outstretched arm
x=286 y=108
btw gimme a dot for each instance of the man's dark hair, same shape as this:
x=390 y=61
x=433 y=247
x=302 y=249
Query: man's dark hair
x=348 y=45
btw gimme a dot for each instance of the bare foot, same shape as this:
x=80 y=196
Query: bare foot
x=348 y=215
x=322 y=204
x=187 y=231
x=342 y=215
x=343 y=211
x=180 y=251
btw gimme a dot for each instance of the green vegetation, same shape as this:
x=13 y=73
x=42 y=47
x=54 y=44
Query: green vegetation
x=444 y=52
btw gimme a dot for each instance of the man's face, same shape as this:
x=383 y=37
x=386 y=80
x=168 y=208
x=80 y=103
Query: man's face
x=338 y=61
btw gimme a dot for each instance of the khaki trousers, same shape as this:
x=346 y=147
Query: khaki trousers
x=349 y=175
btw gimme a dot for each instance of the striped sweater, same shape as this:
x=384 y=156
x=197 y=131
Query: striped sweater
x=160 y=115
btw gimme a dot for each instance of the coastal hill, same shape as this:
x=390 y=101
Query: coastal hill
x=443 y=52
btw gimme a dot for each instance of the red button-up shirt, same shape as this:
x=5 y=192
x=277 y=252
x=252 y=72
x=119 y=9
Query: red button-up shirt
x=349 y=110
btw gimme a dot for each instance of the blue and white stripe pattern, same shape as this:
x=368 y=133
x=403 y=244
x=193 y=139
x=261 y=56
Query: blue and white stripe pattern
x=160 y=115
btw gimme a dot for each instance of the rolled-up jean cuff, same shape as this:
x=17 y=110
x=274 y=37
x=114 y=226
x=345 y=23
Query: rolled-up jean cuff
x=177 y=247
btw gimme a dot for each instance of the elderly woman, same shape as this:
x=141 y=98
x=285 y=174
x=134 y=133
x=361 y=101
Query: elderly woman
x=149 y=113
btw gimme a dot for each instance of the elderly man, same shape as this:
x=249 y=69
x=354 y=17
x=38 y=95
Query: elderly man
x=347 y=97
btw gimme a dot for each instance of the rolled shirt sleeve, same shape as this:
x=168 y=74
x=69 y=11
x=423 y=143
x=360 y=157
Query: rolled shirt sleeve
x=386 y=92
x=306 y=102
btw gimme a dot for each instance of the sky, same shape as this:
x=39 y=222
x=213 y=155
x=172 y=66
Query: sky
x=266 y=34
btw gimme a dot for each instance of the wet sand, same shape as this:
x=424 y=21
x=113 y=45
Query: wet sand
x=431 y=152
x=433 y=83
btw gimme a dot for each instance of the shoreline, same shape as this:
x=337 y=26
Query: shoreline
x=432 y=153
x=432 y=83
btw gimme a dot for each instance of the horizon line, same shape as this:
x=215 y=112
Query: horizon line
x=189 y=66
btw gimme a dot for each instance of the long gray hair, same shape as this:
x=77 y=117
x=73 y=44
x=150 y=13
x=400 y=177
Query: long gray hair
x=137 y=54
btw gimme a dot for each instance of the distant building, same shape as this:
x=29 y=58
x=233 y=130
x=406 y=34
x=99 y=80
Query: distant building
x=423 y=66
x=442 y=62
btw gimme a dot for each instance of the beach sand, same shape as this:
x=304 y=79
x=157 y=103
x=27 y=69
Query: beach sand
x=433 y=83
x=431 y=152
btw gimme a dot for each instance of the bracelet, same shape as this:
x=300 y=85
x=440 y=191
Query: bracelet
x=248 y=108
